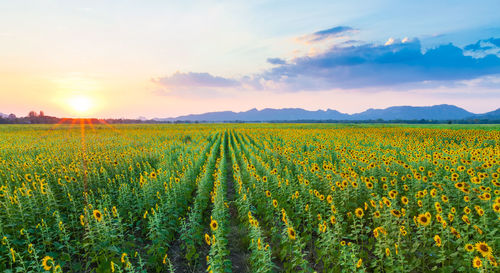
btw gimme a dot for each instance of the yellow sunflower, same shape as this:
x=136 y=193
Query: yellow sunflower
x=424 y=219
x=484 y=249
x=214 y=225
x=47 y=263
x=469 y=247
x=359 y=263
x=291 y=233
x=97 y=215
x=359 y=212
x=207 y=239
x=477 y=263
x=437 y=239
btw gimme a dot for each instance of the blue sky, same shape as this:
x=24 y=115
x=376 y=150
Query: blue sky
x=165 y=58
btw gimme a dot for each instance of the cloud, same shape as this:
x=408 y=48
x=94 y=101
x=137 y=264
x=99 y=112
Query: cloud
x=334 y=32
x=190 y=80
x=371 y=65
x=276 y=61
x=483 y=45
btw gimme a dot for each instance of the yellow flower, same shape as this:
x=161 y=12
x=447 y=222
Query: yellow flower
x=207 y=239
x=123 y=258
x=291 y=233
x=214 y=225
x=424 y=219
x=13 y=253
x=469 y=247
x=165 y=259
x=437 y=239
x=47 y=263
x=477 y=263
x=97 y=215
x=112 y=267
x=484 y=249
x=359 y=263
x=333 y=220
x=359 y=212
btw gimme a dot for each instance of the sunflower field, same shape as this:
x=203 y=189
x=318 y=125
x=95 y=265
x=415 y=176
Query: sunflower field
x=249 y=198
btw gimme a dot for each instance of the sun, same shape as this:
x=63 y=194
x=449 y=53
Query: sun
x=80 y=104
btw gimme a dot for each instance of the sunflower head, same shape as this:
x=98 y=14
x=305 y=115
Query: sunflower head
x=97 y=215
x=47 y=263
x=291 y=233
x=214 y=225
x=423 y=219
x=477 y=263
x=207 y=239
x=484 y=249
x=469 y=247
x=359 y=212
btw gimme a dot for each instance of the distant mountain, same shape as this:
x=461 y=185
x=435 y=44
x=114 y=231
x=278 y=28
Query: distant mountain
x=267 y=114
x=436 y=112
x=493 y=115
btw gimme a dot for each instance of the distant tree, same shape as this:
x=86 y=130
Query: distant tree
x=12 y=116
x=32 y=114
x=41 y=114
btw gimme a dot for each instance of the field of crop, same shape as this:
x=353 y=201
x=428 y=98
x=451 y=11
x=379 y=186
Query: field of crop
x=249 y=198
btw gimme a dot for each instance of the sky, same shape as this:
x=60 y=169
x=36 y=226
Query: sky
x=113 y=59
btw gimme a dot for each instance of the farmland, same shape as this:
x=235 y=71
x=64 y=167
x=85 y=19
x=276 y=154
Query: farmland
x=249 y=198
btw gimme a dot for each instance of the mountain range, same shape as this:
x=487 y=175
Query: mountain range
x=436 y=112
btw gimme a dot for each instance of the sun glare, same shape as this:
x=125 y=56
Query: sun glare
x=80 y=104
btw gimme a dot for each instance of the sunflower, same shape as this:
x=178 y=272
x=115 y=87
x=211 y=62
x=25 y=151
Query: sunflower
x=329 y=199
x=214 y=225
x=496 y=207
x=469 y=247
x=47 y=263
x=268 y=193
x=404 y=200
x=396 y=213
x=484 y=249
x=393 y=194
x=123 y=258
x=465 y=218
x=387 y=252
x=207 y=239
x=376 y=214
x=437 y=239
x=333 y=220
x=455 y=232
x=28 y=177
x=359 y=212
x=477 y=263
x=359 y=263
x=82 y=220
x=291 y=233
x=275 y=203
x=97 y=215
x=424 y=219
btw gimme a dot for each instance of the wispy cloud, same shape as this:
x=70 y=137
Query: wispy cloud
x=334 y=32
x=190 y=80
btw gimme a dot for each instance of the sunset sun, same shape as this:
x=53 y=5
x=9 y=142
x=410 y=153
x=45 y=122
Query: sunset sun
x=80 y=104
